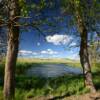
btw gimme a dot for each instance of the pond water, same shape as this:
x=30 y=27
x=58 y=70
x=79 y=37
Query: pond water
x=52 y=70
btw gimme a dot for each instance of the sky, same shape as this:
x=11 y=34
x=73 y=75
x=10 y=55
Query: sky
x=58 y=43
x=52 y=46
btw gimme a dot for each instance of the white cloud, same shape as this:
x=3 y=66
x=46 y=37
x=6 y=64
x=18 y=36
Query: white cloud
x=74 y=57
x=49 y=52
x=58 y=39
x=73 y=44
x=34 y=53
x=43 y=52
x=25 y=52
x=37 y=53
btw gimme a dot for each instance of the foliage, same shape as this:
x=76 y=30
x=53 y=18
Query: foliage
x=30 y=87
x=59 y=87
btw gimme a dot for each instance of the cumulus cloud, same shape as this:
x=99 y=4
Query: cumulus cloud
x=49 y=52
x=58 y=39
x=37 y=53
x=25 y=52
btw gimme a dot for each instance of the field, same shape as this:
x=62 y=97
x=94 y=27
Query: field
x=34 y=87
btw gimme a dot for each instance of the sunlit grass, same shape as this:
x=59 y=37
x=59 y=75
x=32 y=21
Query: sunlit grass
x=49 y=60
x=36 y=86
x=30 y=87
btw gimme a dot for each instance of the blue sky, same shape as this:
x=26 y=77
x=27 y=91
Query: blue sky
x=56 y=42
x=52 y=46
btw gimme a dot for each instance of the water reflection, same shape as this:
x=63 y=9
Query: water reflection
x=53 y=70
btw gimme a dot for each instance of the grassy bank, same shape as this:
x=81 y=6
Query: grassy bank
x=31 y=87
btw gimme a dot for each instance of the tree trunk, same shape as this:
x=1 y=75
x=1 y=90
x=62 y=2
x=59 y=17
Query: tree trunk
x=84 y=56
x=12 y=50
x=84 y=59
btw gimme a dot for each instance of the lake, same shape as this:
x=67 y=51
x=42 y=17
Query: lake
x=52 y=70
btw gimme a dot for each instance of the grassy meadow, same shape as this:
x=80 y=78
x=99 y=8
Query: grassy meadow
x=33 y=87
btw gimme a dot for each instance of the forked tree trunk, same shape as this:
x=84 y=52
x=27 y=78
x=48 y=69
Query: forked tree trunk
x=12 y=50
x=84 y=56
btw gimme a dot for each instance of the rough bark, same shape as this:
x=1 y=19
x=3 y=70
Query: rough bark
x=84 y=59
x=12 y=50
x=84 y=56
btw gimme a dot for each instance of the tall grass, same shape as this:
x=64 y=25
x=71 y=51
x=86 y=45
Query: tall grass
x=30 y=87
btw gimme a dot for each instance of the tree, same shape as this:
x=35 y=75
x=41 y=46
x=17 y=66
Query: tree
x=12 y=49
x=84 y=54
x=80 y=10
x=14 y=7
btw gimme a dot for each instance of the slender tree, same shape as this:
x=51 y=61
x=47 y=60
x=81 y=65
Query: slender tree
x=12 y=49
x=84 y=56
x=81 y=11
x=14 y=7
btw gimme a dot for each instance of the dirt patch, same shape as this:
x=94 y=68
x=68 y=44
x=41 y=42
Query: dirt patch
x=92 y=96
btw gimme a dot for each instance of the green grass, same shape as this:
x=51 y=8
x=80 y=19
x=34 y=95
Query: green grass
x=30 y=87
x=35 y=86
